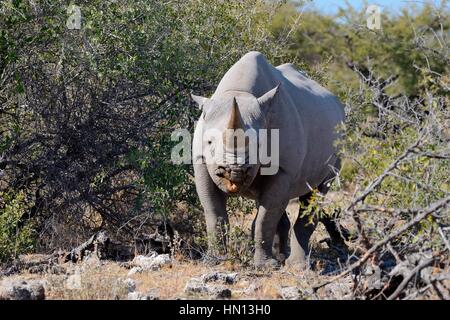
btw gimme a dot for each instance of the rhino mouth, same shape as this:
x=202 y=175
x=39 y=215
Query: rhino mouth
x=233 y=181
x=231 y=186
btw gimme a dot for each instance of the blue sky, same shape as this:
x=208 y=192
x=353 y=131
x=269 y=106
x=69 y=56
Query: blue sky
x=390 y=6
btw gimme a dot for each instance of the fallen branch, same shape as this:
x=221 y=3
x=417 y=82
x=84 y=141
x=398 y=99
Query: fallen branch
x=91 y=245
x=422 y=214
x=409 y=276
x=101 y=245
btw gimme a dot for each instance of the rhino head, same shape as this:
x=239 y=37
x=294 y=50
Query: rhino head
x=230 y=137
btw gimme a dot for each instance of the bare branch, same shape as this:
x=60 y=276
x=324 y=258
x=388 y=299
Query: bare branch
x=422 y=214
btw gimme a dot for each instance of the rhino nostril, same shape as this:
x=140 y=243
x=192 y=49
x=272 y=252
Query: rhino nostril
x=220 y=172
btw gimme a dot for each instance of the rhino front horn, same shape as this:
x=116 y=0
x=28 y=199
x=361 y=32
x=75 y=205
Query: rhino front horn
x=235 y=121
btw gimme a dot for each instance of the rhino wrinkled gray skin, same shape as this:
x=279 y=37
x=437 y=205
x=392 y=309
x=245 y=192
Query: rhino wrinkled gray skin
x=255 y=95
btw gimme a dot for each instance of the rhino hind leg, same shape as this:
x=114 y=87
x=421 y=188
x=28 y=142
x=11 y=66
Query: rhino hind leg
x=337 y=232
x=299 y=239
x=280 y=248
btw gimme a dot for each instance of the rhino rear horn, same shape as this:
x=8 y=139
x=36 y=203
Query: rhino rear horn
x=268 y=96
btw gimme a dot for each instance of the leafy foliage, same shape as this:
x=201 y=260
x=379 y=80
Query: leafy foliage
x=86 y=114
x=14 y=239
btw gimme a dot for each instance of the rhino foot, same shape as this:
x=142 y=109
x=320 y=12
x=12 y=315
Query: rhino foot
x=269 y=263
x=296 y=263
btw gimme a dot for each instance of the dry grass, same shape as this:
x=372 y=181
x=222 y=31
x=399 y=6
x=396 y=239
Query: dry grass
x=105 y=280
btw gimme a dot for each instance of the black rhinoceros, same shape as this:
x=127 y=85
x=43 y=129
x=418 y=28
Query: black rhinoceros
x=288 y=106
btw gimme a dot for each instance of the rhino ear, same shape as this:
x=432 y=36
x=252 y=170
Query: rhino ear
x=199 y=100
x=267 y=98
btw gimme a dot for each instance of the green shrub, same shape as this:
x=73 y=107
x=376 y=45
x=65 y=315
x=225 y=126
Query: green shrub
x=14 y=240
x=88 y=112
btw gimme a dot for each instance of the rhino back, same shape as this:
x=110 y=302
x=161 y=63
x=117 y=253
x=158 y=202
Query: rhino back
x=252 y=74
x=306 y=114
x=319 y=112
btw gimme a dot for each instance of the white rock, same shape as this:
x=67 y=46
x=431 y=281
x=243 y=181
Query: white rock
x=295 y=293
x=135 y=270
x=22 y=290
x=152 y=294
x=197 y=285
x=216 y=276
x=130 y=284
x=290 y=293
x=73 y=282
x=152 y=262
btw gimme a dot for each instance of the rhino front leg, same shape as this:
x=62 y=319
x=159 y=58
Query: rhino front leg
x=213 y=201
x=280 y=247
x=272 y=203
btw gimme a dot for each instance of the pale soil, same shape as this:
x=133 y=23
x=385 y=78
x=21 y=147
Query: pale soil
x=106 y=279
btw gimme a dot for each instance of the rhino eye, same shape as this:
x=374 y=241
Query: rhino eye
x=209 y=142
